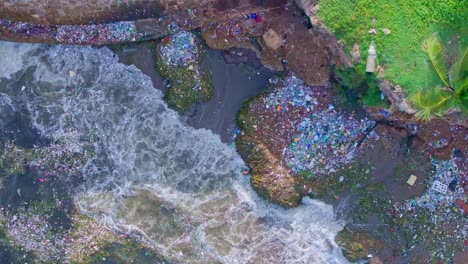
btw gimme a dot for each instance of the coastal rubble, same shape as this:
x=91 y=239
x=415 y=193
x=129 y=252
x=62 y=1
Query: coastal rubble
x=324 y=138
x=303 y=131
x=437 y=216
x=100 y=33
x=447 y=173
x=331 y=150
x=95 y=34
x=178 y=58
x=179 y=49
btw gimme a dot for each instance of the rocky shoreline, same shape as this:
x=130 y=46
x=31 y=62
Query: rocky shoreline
x=370 y=188
x=314 y=140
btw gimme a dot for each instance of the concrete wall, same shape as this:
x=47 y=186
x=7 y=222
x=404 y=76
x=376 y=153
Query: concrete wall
x=88 y=11
x=75 y=12
x=45 y=19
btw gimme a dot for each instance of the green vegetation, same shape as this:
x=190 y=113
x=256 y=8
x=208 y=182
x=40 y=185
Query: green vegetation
x=422 y=228
x=187 y=85
x=253 y=150
x=409 y=22
x=452 y=93
x=363 y=85
x=13 y=159
x=43 y=207
x=181 y=93
x=357 y=244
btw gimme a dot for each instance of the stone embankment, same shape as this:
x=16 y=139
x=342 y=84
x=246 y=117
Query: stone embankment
x=75 y=12
x=102 y=22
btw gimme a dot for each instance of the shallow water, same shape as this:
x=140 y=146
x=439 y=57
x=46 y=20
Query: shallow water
x=234 y=84
x=177 y=188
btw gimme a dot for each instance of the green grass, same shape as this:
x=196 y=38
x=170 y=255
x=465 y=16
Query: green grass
x=409 y=21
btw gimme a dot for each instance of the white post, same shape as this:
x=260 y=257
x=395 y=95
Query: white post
x=371 y=56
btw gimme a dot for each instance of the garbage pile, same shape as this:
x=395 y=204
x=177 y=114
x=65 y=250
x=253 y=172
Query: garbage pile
x=179 y=49
x=26 y=28
x=294 y=93
x=324 y=139
x=437 y=218
x=230 y=29
x=95 y=34
x=76 y=34
x=443 y=188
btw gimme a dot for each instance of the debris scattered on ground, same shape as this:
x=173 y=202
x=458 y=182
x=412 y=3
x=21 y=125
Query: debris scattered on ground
x=76 y=34
x=326 y=141
x=448 y=175
x=100 y=33
x=179 y=60
x=179 y=49
x=293 y=93
x=323 y=140
x=436 y=219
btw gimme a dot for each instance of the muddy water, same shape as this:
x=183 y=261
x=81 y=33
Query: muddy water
x=234 y=84
x=176 y=188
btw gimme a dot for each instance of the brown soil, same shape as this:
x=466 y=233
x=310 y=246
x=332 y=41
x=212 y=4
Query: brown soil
x=394 y=159
x=303 y=51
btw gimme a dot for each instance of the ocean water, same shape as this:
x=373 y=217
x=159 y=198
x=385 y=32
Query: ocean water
x=178 y=189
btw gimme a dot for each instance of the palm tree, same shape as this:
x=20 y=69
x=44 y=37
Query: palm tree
x=453 y=89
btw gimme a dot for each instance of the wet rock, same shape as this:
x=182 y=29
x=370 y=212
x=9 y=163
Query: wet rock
x=358 y=244
x=274 y=180
x=295 y=132
x=178 y=58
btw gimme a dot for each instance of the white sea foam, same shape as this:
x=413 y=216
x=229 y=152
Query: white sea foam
x=179 y=189
x=12 y=57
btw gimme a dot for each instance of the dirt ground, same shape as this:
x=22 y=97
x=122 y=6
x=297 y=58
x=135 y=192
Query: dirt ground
x=303 y=50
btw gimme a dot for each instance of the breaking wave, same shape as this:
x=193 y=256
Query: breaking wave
x=12 y=64
x=178 y=189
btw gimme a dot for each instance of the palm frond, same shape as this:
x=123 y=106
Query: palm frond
x=435 y=52
x=462 y=87
x=458 y=73
x=430 y=102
